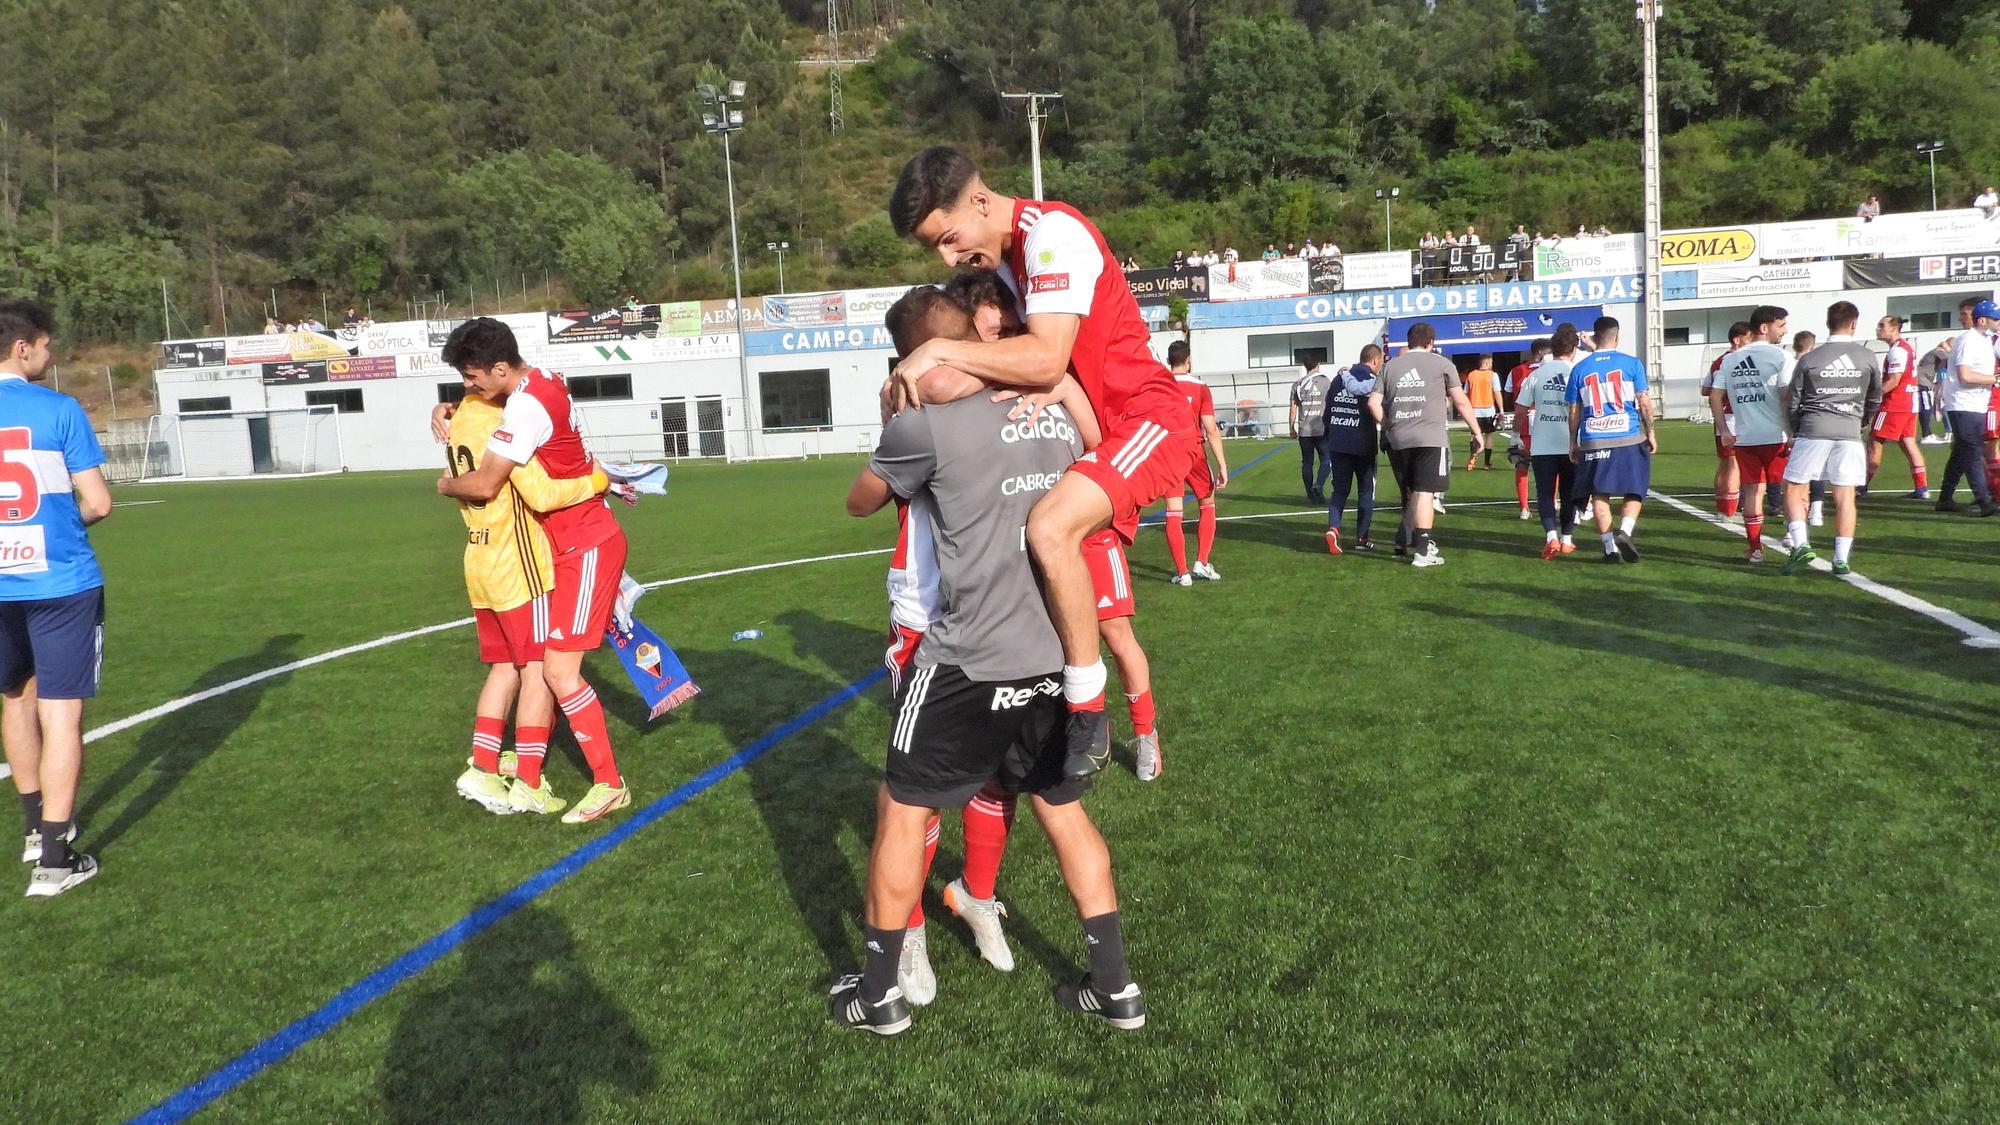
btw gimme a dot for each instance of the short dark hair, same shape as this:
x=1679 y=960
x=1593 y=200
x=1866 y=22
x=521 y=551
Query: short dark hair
x=1739 y=329
x=925 y=313
x=1422 y=335
x=975 y=288
x=1370 y=351
x=480 y=342
x=1803 y=337
x=1967 y=304
x=1842 y=315
x=1892 y=318
x=931 y=181
x=1177 y=353
x=23 y=321
x=1565 y=339
x=1541 y=346
x=1764 y=315
x=1603 y=326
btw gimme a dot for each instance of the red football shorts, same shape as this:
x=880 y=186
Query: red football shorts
x=902 y=650
x=586 y=589
x=1762 y=464
x=1110 y=576
x=513 y=636
x=1139 y=461
x=1894 y=426
x=1201 y=481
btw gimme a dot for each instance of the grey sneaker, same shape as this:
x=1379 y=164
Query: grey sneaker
x=982 y=916
x=48 y=882
x=1429 y=556
x=31 y=844
x=913 y=969
x=1146 y=760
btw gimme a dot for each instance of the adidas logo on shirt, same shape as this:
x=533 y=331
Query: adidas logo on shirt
x=1104 y=603
x=1409 y=381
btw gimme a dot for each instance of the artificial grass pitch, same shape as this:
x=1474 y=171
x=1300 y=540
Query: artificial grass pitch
x=1506 y=839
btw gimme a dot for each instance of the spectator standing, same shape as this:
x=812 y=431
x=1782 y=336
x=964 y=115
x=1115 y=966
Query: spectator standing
x=1520 y=237
x=1966 y=389
x=1180 y=260
x=1870 y=210
x=1309 y=251
x=1329 y=249
x=1428 y=242
x=1308 y=422
x=1270 y=252
x=352 y=319
x=1470 y=237
x=1987 y=201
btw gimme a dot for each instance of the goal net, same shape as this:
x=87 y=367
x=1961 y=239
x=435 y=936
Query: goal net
x=224 y=445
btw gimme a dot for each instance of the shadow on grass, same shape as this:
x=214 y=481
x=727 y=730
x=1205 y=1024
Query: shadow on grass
x=516 y=1035
x=175 y=744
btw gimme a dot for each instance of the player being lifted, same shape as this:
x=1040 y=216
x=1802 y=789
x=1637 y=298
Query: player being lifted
x=539 y=421
x=1748 y=390
x=1200 y=481
x=508 y=572
x=1081 y=318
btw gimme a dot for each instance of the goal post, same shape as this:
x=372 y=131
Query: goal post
x=236 y=444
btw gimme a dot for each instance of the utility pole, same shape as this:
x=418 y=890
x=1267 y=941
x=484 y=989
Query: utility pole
x=1037 y=113
x=834 y=112
x=722 y=114
x=1648 y=14
x=1931 y=149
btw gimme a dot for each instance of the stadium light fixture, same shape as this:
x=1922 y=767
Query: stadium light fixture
x=779 y=248
x=1931 y=149
x=722 y=115
x=1386 y=195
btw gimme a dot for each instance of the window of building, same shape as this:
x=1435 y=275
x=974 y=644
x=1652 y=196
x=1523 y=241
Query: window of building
x=1699 y=326
x=453 y=393
x=196 y=405
x=1930 y=312
x=344 y=400
x=1289 y=349
x=599 y=388
x=797 y=399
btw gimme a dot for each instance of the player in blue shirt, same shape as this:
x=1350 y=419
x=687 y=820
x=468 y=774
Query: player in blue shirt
x=1611 y=436
x=51 y=593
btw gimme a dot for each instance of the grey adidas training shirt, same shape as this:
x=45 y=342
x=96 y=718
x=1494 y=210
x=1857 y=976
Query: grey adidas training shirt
x=1836 y=389
x=1416 y=399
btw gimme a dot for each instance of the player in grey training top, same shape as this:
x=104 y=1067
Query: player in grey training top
x=1835 y=389
x=984 y=703
x=1412 y=393
x=1308 y=410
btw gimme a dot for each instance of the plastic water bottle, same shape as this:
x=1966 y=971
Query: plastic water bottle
x=747 y=635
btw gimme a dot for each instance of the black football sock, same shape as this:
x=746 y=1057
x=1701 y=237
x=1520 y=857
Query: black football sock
x=55 y=848
x=31 y=812
x=1108 y=973
x=885 y=949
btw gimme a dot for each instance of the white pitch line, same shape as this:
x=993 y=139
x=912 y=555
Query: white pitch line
x=1975 y=634
x=186 y=701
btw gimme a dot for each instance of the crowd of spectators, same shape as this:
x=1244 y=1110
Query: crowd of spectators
x=273 y=326
x=1228 y=255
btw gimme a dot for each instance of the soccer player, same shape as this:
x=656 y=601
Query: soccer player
x=1728 y=478
x=981 y=700
x=1081 y=319
x=1353 y=419
x=1307 y=407
x=1966 y=392
x=508 y=571
x=51 y=594
x=1541 y=418
x=1749 y=391
x=1835 y=389
x=1482 y=389
x=539 y=421
x=1521 y=449
x=1410 y=397
x=1200 y=481
x=1611 y=436
x=1897 y=420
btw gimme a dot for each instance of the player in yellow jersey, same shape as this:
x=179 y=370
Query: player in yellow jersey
x=508 y=572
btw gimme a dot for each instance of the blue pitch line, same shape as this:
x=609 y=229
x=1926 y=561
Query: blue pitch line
x=197 y=1095
x=1161 y=515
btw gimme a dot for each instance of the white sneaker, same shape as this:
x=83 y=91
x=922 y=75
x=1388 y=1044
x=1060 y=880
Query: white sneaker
x=48 y=882
x=31 y=844
x=1203 y=570
x=1182 y=580
x=1933 y=441
x=1526 y=515
x=1437 y=504
x=913 y=969
x=1430 y=556
x=1146 y=760
x=982 y=916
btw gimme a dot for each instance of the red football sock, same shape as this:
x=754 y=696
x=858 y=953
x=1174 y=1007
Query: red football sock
x=586 y=723
x=531 y=745
x=1521 y=488
x=1731 y=502
x=1142 y=711
x=1205 y=531
x=1177 y=542
x=1753 y=526
x=930 y=853
x=1920 y=474
x=988 y=818
x=1993 y=477
x=486 y=735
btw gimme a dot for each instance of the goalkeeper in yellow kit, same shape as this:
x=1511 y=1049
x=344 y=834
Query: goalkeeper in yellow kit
x=508 y=572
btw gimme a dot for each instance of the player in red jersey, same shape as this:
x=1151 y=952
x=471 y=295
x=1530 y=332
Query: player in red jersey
x=1728 y=476
x=539 y=421
x=1200 y=482
x=1896 y=421
x=1519 y=450
x=1081 y=319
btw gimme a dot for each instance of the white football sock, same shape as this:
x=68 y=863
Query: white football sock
x=1842 y=544
x=1550 y=536
x=1610 y=543
x=1797 y=530
x=1627 y=524
x=1081 y=685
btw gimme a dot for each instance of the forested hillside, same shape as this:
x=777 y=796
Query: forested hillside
x=377 y=153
